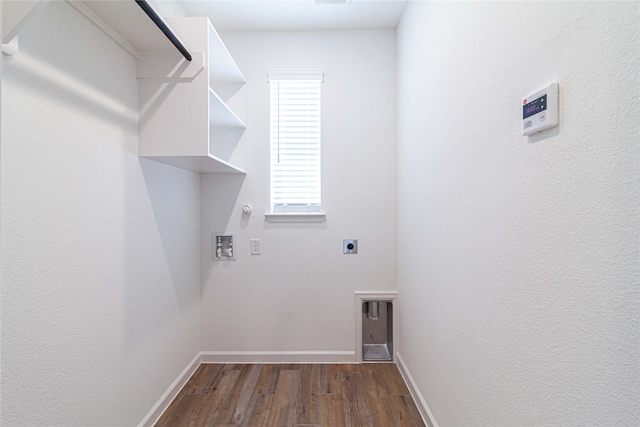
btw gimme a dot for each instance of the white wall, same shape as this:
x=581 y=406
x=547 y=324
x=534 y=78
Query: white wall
x=168 y=8
x=1 y=275
x=298 y=294
x=519 y=280
x=100 y=250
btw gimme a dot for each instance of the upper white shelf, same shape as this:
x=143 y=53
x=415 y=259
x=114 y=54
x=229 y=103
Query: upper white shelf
x=131 y=22
x=193 y=123
x=207 y=139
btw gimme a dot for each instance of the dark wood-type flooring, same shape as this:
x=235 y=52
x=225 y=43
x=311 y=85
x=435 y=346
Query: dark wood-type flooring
x=371 y=394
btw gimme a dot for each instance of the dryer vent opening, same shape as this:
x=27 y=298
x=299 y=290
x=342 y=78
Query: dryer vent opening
x=377 y=331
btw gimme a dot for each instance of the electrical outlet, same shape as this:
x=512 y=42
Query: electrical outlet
x=255 y=246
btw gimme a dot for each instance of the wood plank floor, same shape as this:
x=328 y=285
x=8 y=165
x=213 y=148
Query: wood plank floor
x=367 y=395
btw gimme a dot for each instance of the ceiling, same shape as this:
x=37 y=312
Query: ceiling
x=297 y=14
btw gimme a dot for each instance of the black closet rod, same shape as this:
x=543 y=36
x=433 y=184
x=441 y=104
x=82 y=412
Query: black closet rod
x=163 y=27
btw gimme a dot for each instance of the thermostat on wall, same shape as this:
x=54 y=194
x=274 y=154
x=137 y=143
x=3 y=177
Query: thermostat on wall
x=540 y=110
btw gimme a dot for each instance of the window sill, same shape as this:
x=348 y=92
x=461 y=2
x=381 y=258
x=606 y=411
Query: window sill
x=296 y=217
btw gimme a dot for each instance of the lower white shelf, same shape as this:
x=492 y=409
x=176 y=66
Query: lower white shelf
x=201 y=164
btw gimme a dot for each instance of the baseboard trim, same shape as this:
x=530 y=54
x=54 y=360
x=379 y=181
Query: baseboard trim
x=267 y=357
x=171 y=393
x=427 y=416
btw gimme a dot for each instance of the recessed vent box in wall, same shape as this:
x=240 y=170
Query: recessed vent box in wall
x=377 y=331
x=376 y=326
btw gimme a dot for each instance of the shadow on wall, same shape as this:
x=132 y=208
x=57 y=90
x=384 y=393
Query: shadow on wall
x=221 y=199
x=545 y=134
x=162 y=255
x=218 y=210
x=66 y=87
x=155 y=93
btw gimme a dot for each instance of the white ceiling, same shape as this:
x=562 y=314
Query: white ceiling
x=297 y=14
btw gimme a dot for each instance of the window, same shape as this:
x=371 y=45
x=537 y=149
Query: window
x=295 y=141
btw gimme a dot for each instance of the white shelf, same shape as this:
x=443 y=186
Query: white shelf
x=201 y=164
x=220 y=115
x=132 y=23
x=185 y=120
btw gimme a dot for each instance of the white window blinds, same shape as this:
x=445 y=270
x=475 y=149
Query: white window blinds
x=295 y=141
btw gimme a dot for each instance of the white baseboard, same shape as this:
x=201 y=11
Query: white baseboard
x=278 y=357
x=427 y=416
x=171 y=393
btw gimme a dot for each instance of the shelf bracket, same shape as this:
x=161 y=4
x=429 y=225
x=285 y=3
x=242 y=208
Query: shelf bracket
x=10 y=48
x=15 y=16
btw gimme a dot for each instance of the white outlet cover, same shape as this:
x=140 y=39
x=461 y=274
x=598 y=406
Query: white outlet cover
x=255 y=246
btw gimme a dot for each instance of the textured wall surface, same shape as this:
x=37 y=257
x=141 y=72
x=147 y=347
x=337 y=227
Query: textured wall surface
x=298 y=294
x=519 y=299
x=100 y=250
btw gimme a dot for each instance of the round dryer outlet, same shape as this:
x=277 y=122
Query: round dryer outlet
x=350 y=246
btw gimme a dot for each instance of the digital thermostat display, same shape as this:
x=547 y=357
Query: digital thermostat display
x=535 y=106
x=540 y=110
